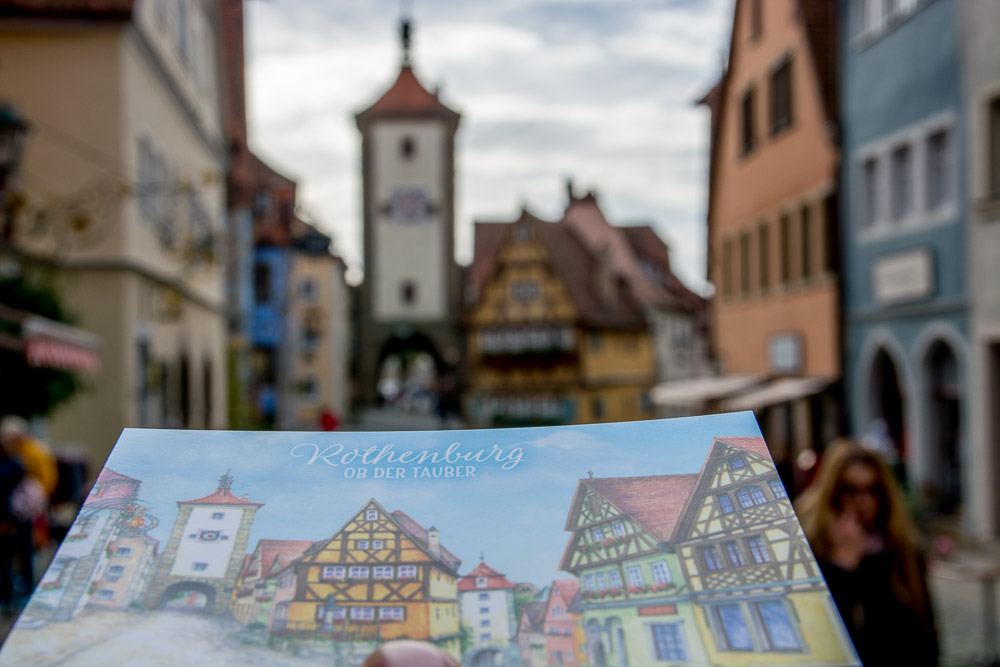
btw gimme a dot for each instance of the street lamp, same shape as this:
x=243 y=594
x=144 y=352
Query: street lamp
x=13 y=133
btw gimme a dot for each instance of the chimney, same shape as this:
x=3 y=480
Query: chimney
x=433 y=542
x=569 y=189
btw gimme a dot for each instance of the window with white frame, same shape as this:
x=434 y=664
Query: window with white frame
x=901 y=197
x=615 y=578
x=362 y=544
x=407 y=571
x=362 y=613
x=391 y=613
x=377 y=544
x=358 y=572
x=383 y=572
x=869 y=193
x=371 y=515
x=123 y=552
x=668 y=642
x=484 y=596
x=634 y=576
x=661 y=572
x=601 y=581
x=588 y=582
x=618 y=529
x=938 y=170
x=334 y=572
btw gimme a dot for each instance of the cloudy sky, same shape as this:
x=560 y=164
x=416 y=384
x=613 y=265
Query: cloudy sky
x=600 y=90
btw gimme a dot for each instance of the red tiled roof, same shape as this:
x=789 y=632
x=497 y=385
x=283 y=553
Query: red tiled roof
x=753 y=445
x=271 y=549
x=494 y=580
x=107 y=475
x=567 y=589
x=418 y=534
x=656 y=502
x=407 y=97
x=219 y=497
x=535 y=613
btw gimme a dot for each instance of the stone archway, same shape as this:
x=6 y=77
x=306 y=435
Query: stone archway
x=943 y=488
x=886 y=403
x=188 y=596
x=408 y=369
x=490 y=656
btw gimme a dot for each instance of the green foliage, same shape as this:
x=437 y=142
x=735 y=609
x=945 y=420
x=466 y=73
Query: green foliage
x=27 y=390
x=467 y=639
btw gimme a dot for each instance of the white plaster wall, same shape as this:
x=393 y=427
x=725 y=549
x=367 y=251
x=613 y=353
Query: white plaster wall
x=191 y=550
x=414 y=252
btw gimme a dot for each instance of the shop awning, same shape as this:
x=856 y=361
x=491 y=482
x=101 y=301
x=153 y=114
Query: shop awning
x=781 y=390
x=699 y=390
x=50 y=344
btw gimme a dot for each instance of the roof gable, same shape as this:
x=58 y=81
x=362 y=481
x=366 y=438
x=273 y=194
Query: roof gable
x=494 y=580
x=407 y=97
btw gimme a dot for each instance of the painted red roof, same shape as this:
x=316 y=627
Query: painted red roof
x=655 y=501
x=219 y=497
x=107 y=475
x=753 y=445
x=566 y=588
x=494 y=580
x=407 y=97
x=271 y=549
x=418 y=534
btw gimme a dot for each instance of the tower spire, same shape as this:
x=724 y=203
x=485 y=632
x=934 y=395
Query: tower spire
x=226 y=481
x=405 y=36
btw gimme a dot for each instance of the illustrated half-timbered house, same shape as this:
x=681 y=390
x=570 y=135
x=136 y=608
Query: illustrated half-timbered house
x=560 y=623
x=254 y=590
x=382 y=576
x=531 y=635
x=757 y=591
x=634 y=596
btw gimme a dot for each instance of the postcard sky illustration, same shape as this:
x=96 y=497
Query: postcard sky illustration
x=644 y=543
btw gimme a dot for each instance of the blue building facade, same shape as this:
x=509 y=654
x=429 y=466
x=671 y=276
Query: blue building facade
x=271 y=275
x=904 y=237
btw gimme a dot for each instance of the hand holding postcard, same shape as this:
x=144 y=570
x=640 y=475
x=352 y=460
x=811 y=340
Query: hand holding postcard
x=643 y=543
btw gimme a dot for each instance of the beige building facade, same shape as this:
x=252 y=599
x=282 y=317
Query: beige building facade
x=124 y=187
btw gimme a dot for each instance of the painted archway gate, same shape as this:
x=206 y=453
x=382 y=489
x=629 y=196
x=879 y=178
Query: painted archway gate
x=640 y=543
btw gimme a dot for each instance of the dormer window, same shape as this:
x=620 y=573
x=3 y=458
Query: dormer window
x=737 y=463
x=371 y=515
x=481 y=582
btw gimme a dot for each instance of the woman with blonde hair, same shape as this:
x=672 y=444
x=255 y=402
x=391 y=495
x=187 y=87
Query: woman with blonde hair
x=866 y=543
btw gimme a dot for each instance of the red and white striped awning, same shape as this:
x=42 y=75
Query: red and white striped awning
x=49 y=344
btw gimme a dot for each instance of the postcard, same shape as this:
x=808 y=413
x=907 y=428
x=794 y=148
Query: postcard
x=667 y=542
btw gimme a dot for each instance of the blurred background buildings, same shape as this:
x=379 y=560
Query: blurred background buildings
x=853 y=188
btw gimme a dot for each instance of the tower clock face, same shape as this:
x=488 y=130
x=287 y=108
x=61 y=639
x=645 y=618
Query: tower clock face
x=409 y=205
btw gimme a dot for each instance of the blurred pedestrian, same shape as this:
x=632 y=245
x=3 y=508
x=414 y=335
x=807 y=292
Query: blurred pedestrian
x=328 y=420
x=866 y=543
x=11 y=474
x=406 y=653
x=41 y=478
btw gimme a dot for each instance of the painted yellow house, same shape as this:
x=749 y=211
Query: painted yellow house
x=555 y=334
x=757 y=592
x=382 y=576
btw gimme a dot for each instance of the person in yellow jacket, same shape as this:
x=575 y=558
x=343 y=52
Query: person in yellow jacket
x=37 y=459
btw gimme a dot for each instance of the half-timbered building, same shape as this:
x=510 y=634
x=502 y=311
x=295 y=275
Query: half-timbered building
x=531 y=635
x=254 y=590
x=755 y=586
x=382 y=576
x=634 y=596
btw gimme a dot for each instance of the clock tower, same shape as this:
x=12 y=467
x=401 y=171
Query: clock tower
x=410 y=294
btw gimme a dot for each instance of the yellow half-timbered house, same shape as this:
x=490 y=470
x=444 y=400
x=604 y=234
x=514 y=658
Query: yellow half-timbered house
x=382 y=576
x=758 y=594
x=556 y=336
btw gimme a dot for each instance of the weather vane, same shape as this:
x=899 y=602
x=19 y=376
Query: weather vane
x=406 y=28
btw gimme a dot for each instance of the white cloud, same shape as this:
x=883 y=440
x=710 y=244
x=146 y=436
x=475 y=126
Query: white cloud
x=590 y=88
x=569 y=440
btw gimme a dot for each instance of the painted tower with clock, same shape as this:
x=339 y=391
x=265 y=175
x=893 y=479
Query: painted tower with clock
x=410 y=294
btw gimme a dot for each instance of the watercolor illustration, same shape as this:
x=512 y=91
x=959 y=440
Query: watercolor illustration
x=666 y=542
